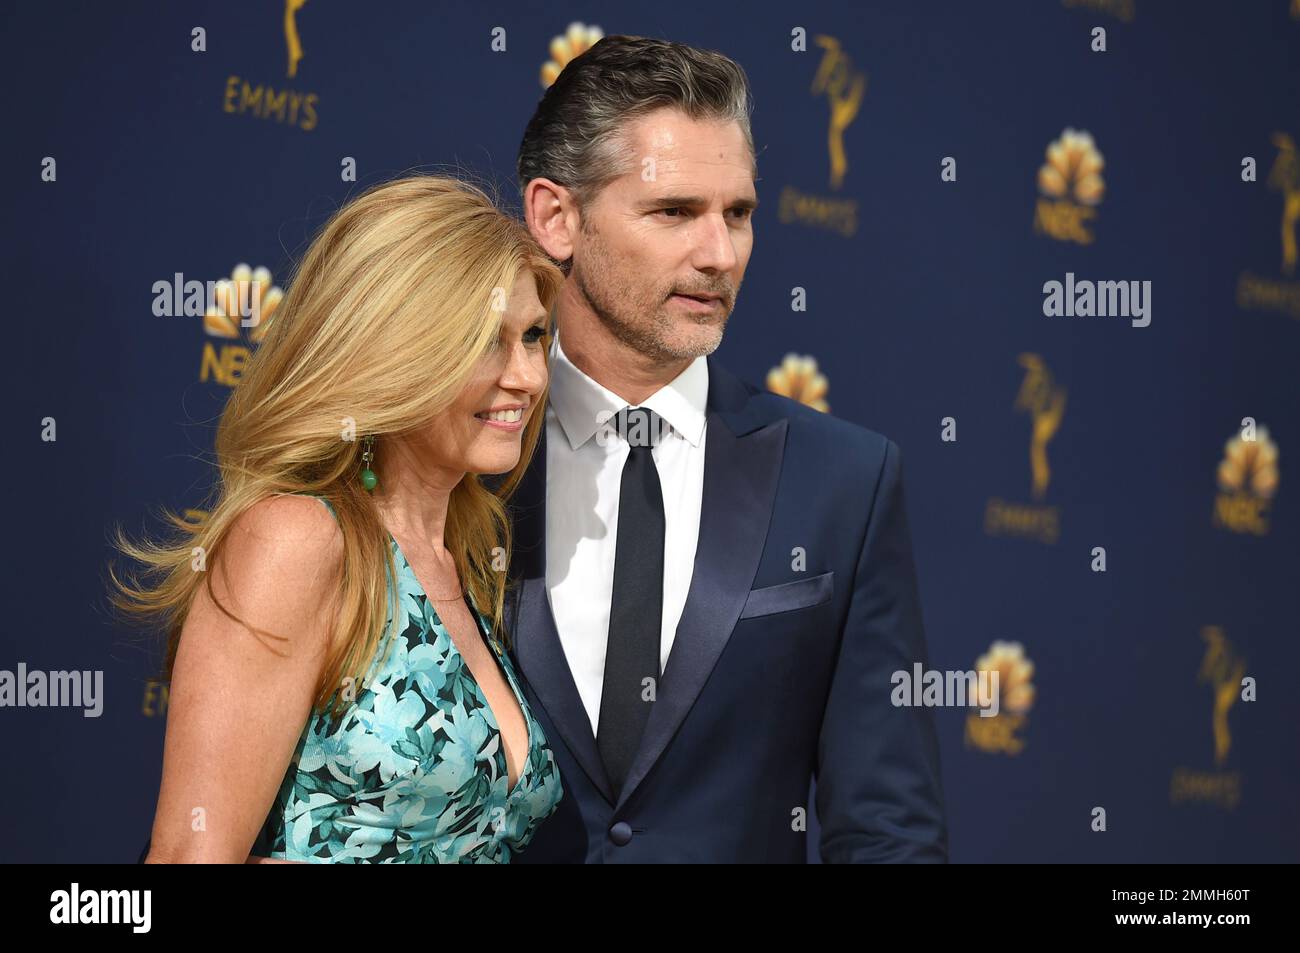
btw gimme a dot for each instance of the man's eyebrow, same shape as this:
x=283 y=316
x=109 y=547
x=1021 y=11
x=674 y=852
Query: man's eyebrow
x=693 y=201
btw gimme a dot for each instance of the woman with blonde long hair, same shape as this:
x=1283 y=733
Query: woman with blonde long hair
x=340 y=689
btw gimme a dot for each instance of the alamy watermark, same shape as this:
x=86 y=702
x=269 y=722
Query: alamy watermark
x=947 y=689
x=180 y=298
x=77 y=906
x=1102 y=299
x=36 y=689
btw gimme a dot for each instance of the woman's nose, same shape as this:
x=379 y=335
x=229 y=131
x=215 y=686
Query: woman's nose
x=523 y=371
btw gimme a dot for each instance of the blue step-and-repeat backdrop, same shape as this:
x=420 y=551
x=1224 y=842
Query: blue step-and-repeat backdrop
x=968 y=212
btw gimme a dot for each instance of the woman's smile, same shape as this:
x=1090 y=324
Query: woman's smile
x=508 y=417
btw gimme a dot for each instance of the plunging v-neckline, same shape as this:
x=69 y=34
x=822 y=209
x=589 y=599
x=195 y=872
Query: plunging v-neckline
x=492 y=650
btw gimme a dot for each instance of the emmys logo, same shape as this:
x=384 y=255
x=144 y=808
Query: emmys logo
x=1248 y=478
x=1044 y=401
x=239 y=310
x=1225 y=672
x=1070 y=187
x=286 y=106
x=1011 y=675
x=1259 y=293
x=799 y=379
x=843 y=87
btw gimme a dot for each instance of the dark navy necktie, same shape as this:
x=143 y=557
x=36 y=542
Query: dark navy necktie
x=636 y=607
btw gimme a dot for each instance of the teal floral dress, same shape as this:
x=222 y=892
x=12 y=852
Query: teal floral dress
x=414 y=771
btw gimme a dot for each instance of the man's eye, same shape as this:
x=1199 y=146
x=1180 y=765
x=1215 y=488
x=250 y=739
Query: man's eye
x=673 y=208
x=744 y=212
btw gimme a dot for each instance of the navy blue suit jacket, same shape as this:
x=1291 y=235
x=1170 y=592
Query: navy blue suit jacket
x=779 y=673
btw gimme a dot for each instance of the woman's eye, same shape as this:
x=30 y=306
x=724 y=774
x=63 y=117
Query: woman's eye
x=534 y=334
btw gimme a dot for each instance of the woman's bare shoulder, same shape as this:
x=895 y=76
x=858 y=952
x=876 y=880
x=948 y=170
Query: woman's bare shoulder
x=280 y=560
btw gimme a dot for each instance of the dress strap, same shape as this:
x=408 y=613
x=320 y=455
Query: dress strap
x=328 y=505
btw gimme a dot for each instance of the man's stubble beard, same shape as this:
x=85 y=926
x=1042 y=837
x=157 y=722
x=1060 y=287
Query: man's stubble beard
x=598 y=282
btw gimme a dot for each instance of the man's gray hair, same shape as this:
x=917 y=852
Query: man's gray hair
x=576 y=136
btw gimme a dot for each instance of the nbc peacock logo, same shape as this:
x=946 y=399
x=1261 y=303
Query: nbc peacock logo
x=1070 y=188
x=1248 y=480
x=575 y=41
x=798 y=378
x=1004 y=732
x=237 y=318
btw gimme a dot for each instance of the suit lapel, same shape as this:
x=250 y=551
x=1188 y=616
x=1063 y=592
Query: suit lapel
x=537 y=643
x=742 y=466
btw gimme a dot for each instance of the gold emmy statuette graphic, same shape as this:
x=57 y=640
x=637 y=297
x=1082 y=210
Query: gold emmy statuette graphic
x=1044 y=401
x=798 y=378
x=248 y=96
x=843 y=86
x=1224 y=671
x=1263 y=292
x=844 y=90
x=291 y=39
x=1285 y=177
x=1045 y=405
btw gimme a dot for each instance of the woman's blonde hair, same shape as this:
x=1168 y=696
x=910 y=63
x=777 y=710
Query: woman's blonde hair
x=393 y=306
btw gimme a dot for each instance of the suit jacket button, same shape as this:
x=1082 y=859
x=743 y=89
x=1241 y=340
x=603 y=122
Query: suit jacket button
x=621 y=833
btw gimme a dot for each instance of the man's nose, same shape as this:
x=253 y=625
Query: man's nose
x=715 y=248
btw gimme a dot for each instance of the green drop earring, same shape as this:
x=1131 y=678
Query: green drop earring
x=368 y=478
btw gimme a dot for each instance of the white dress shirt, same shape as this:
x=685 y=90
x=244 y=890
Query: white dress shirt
x=584 y=472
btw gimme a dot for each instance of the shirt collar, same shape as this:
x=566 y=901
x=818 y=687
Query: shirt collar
x=578 y=400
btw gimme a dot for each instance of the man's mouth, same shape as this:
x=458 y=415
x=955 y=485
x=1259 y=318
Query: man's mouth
x=703 y=304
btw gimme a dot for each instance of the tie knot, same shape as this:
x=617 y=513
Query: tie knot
x=639 y=426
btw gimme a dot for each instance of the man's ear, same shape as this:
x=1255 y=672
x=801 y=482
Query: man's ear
x=552 y=216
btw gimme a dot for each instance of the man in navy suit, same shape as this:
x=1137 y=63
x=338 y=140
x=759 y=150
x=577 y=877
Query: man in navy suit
x=713 y=585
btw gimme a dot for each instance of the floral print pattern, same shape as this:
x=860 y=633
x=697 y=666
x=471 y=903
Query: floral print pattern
x=414 y=771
